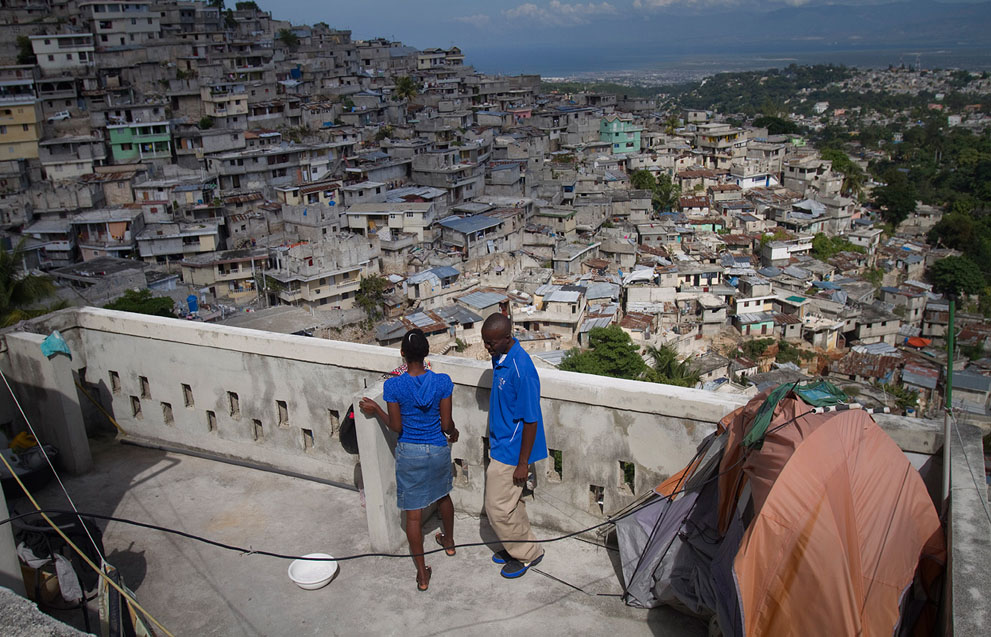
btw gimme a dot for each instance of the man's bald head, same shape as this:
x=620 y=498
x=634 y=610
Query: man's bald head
x=497 y=336
x=498 y=325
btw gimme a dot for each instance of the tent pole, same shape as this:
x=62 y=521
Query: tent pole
x=950 y=332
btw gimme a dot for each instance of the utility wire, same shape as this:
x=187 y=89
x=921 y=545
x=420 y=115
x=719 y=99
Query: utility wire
x=44 y=453
x=357 y=556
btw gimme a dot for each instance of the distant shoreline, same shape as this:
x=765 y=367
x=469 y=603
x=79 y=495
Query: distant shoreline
x=670 y=68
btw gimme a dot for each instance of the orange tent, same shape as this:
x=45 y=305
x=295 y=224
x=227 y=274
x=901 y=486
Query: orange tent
x=818 y=529
x=838 y=537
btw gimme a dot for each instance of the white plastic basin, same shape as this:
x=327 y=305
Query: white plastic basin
x=312 y=574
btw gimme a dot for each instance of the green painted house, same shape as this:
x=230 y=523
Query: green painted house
x=621 y=133
x=140 y=141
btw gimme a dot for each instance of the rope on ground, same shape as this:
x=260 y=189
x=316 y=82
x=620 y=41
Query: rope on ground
x=51 y=466
x=99 y=571
x=133 y=603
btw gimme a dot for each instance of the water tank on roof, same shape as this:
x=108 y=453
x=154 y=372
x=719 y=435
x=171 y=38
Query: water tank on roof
x=193 y=303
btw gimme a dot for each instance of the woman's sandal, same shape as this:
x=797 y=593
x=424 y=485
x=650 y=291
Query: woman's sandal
x=451 y=551
x=422 y=586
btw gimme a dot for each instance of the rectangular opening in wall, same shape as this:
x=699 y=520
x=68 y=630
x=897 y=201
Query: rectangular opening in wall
x=307 y=439
x=211 y=421
x=135 y=406
x=555 y=468
x=596 y=499
x=114 y=382
x=333 y=421
x=259 y=432
x=145 y=386
x=167 y=414
x=628 y=476
x=187 y=395
x=485 y=452
x=234 y=404
x=460 y=472
x=283 y=409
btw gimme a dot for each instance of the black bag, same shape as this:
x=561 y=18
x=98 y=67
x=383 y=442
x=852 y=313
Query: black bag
x=349 y=437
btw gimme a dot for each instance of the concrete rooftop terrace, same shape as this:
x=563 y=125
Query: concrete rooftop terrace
x=197 y=589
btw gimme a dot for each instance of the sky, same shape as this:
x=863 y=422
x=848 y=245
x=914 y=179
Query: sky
x=486 y=28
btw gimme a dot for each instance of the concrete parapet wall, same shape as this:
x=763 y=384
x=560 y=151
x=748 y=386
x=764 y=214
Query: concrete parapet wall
x=289 y=387
x=278 y=400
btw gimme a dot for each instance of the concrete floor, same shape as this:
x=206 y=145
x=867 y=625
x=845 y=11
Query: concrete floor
x=197 y=589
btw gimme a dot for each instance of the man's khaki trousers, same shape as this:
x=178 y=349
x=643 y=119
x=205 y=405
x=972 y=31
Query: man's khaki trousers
x=507 y=513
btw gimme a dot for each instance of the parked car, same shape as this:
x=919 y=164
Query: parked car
x=57 y=117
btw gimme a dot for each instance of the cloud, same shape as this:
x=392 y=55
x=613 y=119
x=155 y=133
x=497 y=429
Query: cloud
x=662 y=4
x=560 y=14
x=478 y=20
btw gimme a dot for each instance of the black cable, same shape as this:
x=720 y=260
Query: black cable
x=248 y=551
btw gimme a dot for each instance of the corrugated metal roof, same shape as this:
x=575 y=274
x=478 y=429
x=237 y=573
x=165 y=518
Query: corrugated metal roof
x=755 y=317
x=457 y=314
x=467 y=225
x=589 y=324
x=563 y=296
x=420 y=277
x=420 y=319
x=602 y=290
x=971 y=381
x=554 y=357
x=482 y=300
x=875 y=348
x=445 y=271
x=920 y=376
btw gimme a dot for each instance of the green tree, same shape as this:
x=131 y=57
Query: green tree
x=904 y=398
x=142 y=302
x=666 y=194
x=896 y=198
x=643 y=180
x=371 y=295
x=20 y=292
x=824 y=247
x=406 y=88
x=956 y=276
x=383 y=133
x=668 y=370
x=25 y=52
x=853 y=176
x=611 y=353
x=243 y=6
x=288 y=38
x=205 y=122
x=776 y=125
x=216 y=4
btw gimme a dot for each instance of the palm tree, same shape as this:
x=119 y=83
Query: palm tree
x=406 y=88
x=288 y=38
x=668 y=370
x=19 y=291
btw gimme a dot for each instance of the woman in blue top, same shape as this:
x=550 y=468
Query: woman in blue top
x=419 y=403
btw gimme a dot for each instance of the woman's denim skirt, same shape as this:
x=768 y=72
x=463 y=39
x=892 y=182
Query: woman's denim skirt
x=423 y=474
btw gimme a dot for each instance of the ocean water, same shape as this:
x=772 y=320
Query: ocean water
x=558 y=62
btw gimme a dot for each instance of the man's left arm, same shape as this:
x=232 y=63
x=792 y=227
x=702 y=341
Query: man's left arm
x=526 y=445
x=529 y=397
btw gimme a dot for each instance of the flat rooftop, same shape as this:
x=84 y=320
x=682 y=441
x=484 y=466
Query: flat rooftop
x=197 y=589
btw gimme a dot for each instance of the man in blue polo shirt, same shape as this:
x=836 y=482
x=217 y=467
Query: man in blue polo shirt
x=516 y=440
